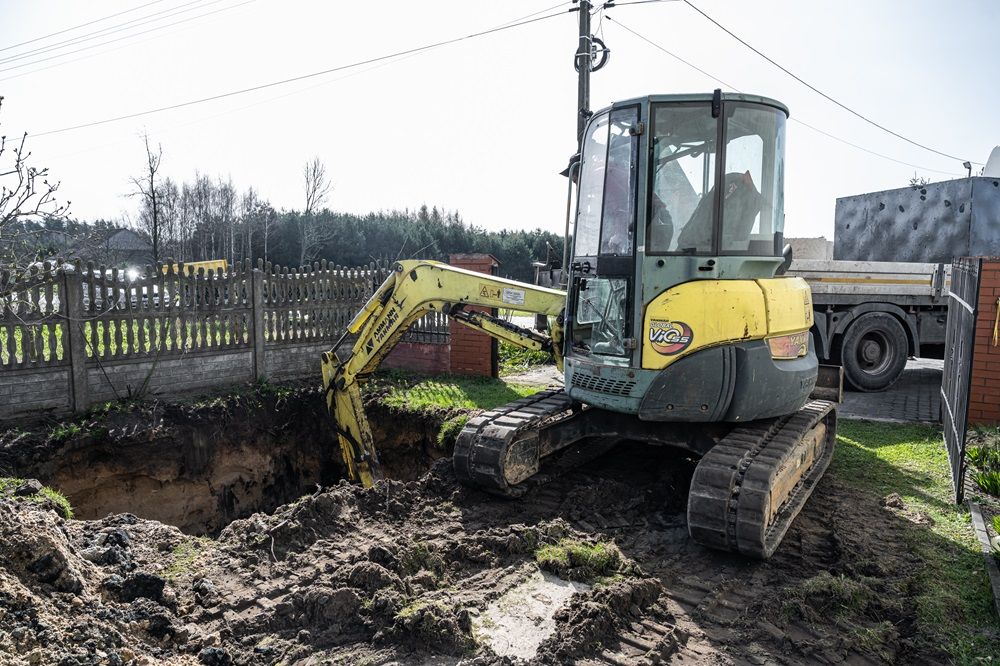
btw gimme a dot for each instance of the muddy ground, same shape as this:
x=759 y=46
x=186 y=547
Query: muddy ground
x=413 y=572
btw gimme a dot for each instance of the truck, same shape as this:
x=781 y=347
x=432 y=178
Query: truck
x=871 y=316
x=884 y=296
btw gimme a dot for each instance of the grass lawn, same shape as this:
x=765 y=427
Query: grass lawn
x=954 y=601
x=445 y=393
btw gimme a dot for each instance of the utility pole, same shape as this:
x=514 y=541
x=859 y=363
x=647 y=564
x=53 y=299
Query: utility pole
x=583 y=64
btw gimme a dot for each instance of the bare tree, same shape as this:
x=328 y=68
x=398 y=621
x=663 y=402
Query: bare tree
x=318 y=186
x=168 y=200
x=227 y=208
x=312 y=236
x=25 y=194
x=146 y=187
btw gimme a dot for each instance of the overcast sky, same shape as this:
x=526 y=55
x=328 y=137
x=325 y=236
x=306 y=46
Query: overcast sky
x=484 y=125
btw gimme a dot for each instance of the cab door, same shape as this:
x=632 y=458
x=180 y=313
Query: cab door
x=603 y=265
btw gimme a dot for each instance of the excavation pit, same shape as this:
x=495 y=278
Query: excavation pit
x=200 y=466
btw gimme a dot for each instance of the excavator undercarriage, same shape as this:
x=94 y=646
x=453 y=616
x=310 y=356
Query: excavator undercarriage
x=751 y=481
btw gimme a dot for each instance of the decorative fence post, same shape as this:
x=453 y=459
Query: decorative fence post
x=72 y=298
x=257 y=330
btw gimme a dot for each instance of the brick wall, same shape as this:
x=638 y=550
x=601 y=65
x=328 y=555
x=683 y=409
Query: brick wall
x=984 y=390
x=472 y=352
x=430 y=359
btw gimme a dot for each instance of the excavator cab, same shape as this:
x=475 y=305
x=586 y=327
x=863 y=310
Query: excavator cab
x=678 y=237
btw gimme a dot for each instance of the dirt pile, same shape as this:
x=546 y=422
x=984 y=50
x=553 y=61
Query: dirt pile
x=392 y=574
x=416 y=572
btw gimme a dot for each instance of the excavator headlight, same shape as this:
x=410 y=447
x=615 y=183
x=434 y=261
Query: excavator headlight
x=789 y=346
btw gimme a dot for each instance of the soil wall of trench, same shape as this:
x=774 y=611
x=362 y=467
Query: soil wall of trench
x=200 y=466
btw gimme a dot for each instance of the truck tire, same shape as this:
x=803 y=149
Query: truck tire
x=873 y=351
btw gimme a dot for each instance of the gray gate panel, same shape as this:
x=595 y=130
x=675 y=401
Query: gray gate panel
x=958 y=353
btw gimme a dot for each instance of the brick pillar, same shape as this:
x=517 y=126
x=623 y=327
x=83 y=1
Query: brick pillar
x=473 y=353
x=984 y=389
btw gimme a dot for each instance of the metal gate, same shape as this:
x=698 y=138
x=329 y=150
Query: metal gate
x=958 y=350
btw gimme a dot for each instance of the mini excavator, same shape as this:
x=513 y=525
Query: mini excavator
x=676 y=327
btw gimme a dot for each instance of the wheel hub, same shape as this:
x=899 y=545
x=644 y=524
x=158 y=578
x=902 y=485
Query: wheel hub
x=871 y=352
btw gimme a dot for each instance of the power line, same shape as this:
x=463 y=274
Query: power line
x=820 y=92
x=794 y=120
x=674 y=55
x=87 y=36
x=82 y=25
x=611 y=4
x=540 y=11
x=88 y=56
x=135 y=34
x=384 y=63
x=272 y=84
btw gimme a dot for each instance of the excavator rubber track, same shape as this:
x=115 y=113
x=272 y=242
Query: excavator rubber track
x=748 y=488
x=499 y=449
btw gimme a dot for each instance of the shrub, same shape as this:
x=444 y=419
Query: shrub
x=988 y=482
x=985 y=458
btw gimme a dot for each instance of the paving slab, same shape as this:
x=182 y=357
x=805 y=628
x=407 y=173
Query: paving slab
x=916 y=397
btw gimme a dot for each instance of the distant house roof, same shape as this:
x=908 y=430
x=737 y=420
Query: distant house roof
x=104 y=240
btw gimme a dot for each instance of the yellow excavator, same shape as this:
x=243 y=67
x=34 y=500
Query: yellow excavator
x=676 y=326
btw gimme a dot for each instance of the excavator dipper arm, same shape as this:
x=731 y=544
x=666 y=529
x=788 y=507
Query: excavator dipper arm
x=412 y=290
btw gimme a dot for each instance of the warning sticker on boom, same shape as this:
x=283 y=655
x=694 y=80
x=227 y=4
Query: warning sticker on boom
x=513 y=296
x=504 y=295
x=489 y=291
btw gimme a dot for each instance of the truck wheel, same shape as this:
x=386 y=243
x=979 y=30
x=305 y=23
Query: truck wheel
x=873 y=351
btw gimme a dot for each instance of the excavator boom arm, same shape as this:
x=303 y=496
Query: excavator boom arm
x=413 y=289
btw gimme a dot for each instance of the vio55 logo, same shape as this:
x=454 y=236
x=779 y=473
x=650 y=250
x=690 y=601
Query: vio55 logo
x=669 y=337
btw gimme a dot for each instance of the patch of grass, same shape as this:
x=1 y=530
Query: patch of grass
x=185 y=555
x=65 y=431
x=514 y=359
x=578 y=560
x=421 y=557
x=265 y=388
x=602 y=581
x=873 y=639
x=63 y=506
x=9 y=484
x=446 y=392
x=449 y=431
x=953 y=598
x=996 y=524
x=833 y=595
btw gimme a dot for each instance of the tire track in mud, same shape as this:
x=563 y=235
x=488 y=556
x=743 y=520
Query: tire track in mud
x=721 y=608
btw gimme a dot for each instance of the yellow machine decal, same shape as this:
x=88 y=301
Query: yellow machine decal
x=669 y=337
x=706 y=313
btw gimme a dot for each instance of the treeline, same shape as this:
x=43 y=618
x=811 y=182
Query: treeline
x=209 y=219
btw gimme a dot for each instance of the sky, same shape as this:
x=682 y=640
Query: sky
x=484 y=125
